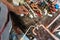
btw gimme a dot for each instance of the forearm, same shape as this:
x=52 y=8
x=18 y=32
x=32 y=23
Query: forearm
x=9 y=5
x=18 y=10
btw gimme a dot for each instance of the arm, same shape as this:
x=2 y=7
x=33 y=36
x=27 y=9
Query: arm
x=17 y=10
x=9 y=5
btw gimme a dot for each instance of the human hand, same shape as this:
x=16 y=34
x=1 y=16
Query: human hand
x=21 y=9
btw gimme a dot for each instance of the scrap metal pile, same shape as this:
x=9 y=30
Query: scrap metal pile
x=39 y=23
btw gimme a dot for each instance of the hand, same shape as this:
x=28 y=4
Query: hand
x=21 y=9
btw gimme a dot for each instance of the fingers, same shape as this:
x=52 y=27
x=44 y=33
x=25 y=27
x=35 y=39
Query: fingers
x=23 y=10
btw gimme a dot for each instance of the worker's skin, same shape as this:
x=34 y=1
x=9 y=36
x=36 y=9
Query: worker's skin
x=18 y=10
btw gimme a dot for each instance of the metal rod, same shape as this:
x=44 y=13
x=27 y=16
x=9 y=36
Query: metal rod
x=56 y=38
x=56 y=29
x=30 y=8
x=53 y=21
x=27 y=32
x=48 y=32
